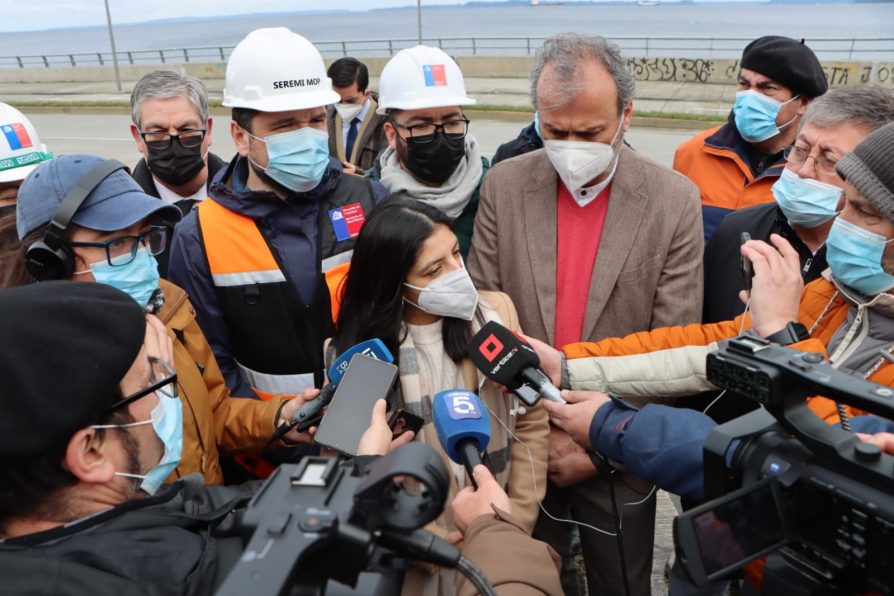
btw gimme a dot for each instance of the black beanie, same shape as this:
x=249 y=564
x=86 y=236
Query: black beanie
x=788 y=62
x=64 y=348
x=871 y=169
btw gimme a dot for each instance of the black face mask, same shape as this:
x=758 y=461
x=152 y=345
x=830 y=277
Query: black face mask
x=434 y=161
x=176 y=164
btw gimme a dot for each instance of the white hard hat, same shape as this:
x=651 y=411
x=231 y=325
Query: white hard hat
x=421 y=77
x=276 y=70
x=20 y=147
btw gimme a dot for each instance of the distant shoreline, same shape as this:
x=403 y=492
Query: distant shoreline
x=662 y=4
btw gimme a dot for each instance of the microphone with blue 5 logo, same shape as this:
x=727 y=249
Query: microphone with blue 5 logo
x=463 y=427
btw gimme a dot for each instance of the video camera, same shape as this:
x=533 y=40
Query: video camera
x=787 y=483
x=327 y=518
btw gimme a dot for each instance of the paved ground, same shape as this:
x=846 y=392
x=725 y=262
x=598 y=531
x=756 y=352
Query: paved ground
x=109 y=135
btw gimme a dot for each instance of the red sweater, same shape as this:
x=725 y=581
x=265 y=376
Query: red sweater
x=578 y=231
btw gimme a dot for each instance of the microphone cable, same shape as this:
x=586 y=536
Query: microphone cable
x=536 y=489
x=604 y=467
x=474 y=575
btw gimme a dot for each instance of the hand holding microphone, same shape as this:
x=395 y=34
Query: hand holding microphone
x=505 y=358
x=463 y=427
x=470 y=504
x=577 y=414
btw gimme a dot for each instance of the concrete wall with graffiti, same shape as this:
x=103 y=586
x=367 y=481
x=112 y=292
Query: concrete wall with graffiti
x=724 y=72
x=679 y=70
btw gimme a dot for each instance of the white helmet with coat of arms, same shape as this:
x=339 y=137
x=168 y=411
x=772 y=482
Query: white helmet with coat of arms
x=419 y=78
x=20 y=146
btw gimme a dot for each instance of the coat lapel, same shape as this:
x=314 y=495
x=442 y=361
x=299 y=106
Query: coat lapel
x=540 y=215
x=366 y=128
x=625 y=212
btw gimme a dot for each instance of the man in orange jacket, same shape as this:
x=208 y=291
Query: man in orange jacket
x=735 y=165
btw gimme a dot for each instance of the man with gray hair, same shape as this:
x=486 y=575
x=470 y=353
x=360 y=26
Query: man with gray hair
x=590 y=240
x=172 y=129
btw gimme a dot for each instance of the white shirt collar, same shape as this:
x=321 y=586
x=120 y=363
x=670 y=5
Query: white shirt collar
x=586 y=195
x=169 y=196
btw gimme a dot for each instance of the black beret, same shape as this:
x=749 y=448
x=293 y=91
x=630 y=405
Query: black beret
x=64 y=348
x=788 y=62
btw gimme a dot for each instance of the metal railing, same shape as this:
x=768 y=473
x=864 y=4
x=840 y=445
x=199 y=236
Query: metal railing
x=842 y=48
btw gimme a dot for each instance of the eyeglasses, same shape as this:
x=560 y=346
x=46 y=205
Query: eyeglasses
x=797 y=155
x=162 y=382
x=188 y=138
x=425 y=133
x=122 y=250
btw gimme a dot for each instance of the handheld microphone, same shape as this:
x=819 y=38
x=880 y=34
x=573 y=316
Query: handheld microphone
x=463 y=427
x=311 y=412
x=505 y=358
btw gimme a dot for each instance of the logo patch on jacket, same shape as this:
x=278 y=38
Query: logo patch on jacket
x=347 y=221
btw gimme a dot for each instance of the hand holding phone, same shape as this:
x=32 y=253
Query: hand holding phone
x=403 y=420
x=347 y=417
x=745 y=266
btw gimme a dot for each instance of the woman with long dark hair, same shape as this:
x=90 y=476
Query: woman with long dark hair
x=408 y=286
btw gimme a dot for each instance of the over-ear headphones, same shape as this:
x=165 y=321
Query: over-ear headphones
x=52 y=257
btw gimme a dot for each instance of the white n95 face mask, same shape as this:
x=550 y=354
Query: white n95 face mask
x=451 y=295
x=579 y=162
x=348 y=111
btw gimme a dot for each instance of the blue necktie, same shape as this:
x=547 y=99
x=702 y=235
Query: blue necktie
x=352 y=137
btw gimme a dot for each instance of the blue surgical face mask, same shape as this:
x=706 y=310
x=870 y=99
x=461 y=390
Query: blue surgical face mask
x=805 y=201
x=855 y=256
x=297 y=159
x=537 y=125
x=755 y=115
x=138 y=279
x=167 y=422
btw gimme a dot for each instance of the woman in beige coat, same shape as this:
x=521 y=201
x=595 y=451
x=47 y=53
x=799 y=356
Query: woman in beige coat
x=408 y=287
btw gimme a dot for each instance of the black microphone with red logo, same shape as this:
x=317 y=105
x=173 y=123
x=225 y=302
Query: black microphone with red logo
x=507 y=359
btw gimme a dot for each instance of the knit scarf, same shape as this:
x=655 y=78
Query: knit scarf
x=452 y=196
x=417 y=395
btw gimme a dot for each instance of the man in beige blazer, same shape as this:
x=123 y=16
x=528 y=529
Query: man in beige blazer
x=590 y=240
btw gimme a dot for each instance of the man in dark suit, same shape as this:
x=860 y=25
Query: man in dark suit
x=590 y=240
x=172 y=129
x=355 y=130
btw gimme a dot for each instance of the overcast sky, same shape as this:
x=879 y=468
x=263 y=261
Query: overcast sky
x=27 y=15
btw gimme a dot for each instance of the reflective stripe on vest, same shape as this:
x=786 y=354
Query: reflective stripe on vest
x=336 y=270
x=238 y=255
x=267 y=386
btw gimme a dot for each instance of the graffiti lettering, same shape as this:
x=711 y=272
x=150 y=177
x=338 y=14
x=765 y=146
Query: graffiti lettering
x=653 y=69
x=696 y=70
x=836 y=75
